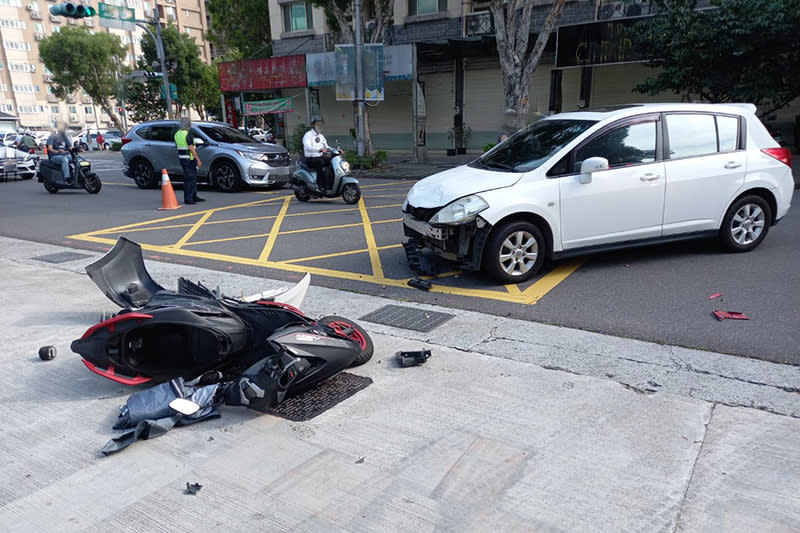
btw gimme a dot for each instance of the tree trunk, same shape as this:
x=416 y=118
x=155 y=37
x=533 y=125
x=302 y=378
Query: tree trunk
x=108 y=108
x=512 y=21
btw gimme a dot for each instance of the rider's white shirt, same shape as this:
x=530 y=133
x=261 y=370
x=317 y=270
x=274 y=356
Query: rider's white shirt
x=313 y=143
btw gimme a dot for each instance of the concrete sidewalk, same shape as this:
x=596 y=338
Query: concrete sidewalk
x=510 y=426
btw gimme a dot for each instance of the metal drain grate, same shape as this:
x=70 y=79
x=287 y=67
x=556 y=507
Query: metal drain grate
x=407 y=318
x=321 y=398
x=61 y=257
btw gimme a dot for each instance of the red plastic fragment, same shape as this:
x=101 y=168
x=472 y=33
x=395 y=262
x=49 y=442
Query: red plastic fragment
x=110 y=373
x=734 y=315
x=111 y=323
x=715 y=296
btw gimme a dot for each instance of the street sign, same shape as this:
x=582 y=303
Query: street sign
x=119 y=17
x=173 y=91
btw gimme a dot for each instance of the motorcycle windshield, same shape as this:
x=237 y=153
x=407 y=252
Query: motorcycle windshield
x=122 y=277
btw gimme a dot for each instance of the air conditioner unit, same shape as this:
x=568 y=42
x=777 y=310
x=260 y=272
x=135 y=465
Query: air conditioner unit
x=611 y=10
x=30 y=7
x=88 y=22
x=72 y=21
x=35 y=15
x=48 y=78
x=73 y=117
x=479 y=23
x=55 y=18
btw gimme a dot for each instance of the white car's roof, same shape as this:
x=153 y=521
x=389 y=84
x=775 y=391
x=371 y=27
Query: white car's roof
x=613 y=112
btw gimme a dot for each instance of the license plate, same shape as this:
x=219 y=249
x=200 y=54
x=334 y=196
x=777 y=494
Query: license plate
x=10 y=166
x=424 y=228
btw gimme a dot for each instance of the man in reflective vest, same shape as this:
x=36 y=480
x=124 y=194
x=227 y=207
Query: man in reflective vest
x=190 y=161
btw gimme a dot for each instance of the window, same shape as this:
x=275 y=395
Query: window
x=87 y=110
x=297 y=17
x=73 y=109
x=425 y=7
x=728 y=130
x=143 y=132
x=625 y=146
x=7 y=108
x=225 y=134
x=162 y=133
x=55 y=109
x=38 y=27
x=691 y=135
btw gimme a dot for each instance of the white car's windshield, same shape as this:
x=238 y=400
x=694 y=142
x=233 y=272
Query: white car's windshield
x=532 y=146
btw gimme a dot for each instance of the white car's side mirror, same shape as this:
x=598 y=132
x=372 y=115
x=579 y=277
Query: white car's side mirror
x=591 y=165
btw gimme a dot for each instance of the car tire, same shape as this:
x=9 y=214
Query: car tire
x=515 y=252
x=142 y=172
x=225 y=175
x=358 y=335
x=746 y=224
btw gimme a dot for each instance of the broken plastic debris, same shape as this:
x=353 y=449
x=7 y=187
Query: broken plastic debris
x=360 y=460
x=733 y=315
x=715 y=296
x=192 y=488
x=421 y=284
x=406 y=359
x=47 y=353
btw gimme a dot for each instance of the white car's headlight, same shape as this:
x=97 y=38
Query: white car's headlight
x=460 y=211
x=255 y=156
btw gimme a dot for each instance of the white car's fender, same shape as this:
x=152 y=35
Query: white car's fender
x=530 y=195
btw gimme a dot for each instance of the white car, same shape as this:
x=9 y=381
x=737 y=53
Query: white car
x=603 y=179
x=17 y=164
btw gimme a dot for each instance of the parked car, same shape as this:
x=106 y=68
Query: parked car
x=17 y=164
x=260 y=135
x=603 y=179
x=9 y=138
x=230 y=158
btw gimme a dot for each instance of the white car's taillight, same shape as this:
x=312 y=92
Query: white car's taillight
x=784 y=155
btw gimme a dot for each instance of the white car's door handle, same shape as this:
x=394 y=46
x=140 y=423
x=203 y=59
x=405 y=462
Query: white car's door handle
x=650 y=177
x=732 y=164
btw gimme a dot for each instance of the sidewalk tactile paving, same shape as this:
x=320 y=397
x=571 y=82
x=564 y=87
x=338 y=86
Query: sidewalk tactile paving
x=407 y=318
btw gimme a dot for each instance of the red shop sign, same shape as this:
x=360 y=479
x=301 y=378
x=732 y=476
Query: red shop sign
x=269 y=73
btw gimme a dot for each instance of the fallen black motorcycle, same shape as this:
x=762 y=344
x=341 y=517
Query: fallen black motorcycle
x=261 y=346
x=82 y=176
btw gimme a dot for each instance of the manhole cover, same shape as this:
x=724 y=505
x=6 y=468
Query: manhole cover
x=407 y=318
x=321 y=398
x=61 y=257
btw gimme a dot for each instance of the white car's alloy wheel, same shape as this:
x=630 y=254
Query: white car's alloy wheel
x=747 y=224
x=518 y=253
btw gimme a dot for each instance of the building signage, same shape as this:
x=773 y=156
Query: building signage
x=397 y=65
x=263 y=74
x=596 y=43
x=269 y=107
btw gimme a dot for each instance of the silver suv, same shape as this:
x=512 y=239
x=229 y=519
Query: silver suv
x=230 y=158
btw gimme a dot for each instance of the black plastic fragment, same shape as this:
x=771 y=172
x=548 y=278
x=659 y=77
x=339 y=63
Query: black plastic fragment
x=421 y=284
x=192 y=488
x=47 y=353
x=406 y=359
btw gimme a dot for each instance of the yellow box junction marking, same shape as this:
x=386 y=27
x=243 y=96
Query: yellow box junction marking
x=195 y=220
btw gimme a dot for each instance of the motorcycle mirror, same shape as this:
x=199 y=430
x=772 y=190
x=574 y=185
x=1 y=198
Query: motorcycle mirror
x=184 y=406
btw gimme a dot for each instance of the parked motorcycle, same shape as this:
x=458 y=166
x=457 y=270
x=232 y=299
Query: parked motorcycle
x=261 y=345
x=304 y=182
x=82 y=176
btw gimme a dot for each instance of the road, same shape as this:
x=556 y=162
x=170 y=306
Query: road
x=658 y=294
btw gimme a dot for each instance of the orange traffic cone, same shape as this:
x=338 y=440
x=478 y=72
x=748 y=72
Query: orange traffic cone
x=168 y=200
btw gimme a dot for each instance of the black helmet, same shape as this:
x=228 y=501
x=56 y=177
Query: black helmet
x=315 y=119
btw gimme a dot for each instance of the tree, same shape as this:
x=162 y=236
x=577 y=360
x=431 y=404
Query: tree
x=339 y=15
x=235 y=39
x=208 y=92
x=79 y=59
x=143 y=100
x=742 y=51
x=518 y=60
x=184 y=66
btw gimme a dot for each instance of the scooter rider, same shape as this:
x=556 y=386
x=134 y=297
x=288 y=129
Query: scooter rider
x=58 y=151
x=318 y=154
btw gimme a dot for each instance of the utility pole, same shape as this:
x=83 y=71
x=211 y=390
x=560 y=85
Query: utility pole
x=359 y=90
x=161 y=58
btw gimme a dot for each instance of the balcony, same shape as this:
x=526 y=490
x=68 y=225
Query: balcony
x=35 y=15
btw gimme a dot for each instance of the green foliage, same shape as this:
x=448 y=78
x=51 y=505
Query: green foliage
x=488 y=146
x=116 y=146
x=742 y=51
x=368 y=161
x=143 y=100
x=241 y=29
x=79 y=59
x=183 y=55
x=208 y=92
x=295 y=141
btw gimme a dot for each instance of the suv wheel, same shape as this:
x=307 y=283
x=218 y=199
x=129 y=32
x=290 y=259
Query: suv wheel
x=745 y=224
x=226 y=176
x=515 y=252
x=143 y=176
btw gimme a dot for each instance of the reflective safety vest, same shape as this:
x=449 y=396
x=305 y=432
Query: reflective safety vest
x=183 y=146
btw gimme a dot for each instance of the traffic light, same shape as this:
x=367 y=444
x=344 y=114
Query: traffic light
x=73 y=11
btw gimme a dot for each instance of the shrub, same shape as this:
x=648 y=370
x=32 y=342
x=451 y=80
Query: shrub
x=366 y=162
x=116 y=146
x=489 y=146
x=295 y=141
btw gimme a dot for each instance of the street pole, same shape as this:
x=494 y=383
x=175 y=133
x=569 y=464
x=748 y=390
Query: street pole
x=160 y=51
x=359 y=90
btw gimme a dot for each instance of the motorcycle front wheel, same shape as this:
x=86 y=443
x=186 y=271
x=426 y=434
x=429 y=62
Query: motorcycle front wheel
x=351 y=193
x=349 y=329
x=92 y=183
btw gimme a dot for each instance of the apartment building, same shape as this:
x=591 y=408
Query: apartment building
x=457 y=73
x=24 y=80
